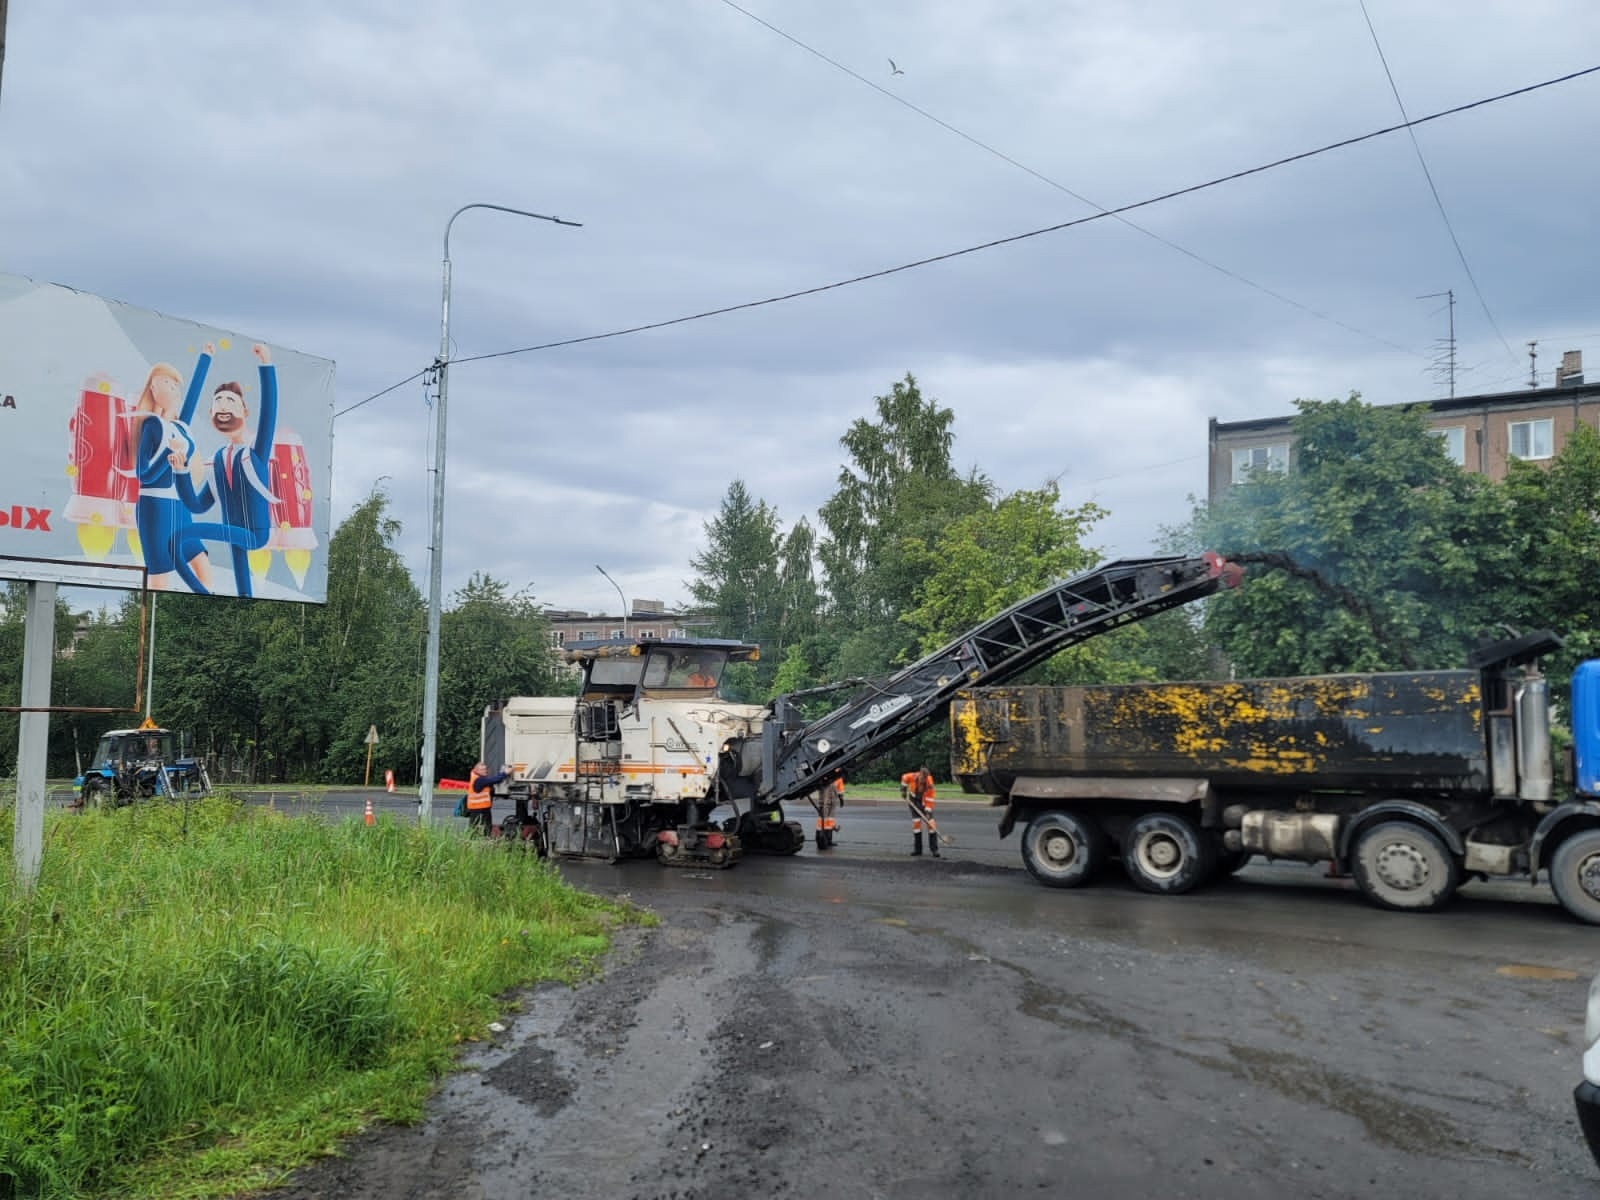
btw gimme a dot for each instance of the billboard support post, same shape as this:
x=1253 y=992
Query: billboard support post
x=430 y=682
x=33 y=729
x=150 y=664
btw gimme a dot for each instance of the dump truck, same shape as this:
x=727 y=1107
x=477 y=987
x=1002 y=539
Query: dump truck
x=640 y=762
x=1410 y=782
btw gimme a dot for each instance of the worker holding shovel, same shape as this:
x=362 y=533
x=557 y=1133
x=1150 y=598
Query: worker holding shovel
x=919 y=796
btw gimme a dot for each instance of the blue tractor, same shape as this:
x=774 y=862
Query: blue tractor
x=136 y=764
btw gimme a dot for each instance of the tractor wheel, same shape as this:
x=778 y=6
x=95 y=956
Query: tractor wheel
x=96 y=794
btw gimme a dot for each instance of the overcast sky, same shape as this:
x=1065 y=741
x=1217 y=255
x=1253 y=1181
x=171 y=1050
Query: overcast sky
x=287 y=170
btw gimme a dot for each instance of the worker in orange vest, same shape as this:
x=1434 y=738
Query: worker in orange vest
x=918 y=788
x=828 y=801
x=480 y=796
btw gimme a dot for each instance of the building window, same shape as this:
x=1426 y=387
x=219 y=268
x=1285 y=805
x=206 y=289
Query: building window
x=648 y=633
x=557 y=638
x=1259 y=458
x=586 y=635
x=676 y=633
x=1454 y=438
x=1532 y=439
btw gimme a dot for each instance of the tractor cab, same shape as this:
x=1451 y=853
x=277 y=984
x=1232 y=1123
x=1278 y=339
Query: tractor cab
x=134 y=764
x=676 y=669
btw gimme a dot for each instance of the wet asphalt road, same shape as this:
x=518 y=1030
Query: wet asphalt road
x=862 y=1024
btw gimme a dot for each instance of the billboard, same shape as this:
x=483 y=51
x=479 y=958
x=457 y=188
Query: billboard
x=135 y=443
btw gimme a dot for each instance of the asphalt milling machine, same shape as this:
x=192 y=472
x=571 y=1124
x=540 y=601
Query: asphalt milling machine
x=649 y=751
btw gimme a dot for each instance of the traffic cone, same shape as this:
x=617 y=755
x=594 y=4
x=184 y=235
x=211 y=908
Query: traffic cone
x=368 y=817
x=388 y=781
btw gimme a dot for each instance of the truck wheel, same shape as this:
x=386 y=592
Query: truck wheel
x=1575 y=875
x=1062 y=849
x=1405 y=867
x=1165 y=853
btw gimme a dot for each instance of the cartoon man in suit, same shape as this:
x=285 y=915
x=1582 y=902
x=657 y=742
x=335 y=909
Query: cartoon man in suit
x=238 y=482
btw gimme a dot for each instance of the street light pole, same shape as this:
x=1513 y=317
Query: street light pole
x=620 y=597
x=430 y=681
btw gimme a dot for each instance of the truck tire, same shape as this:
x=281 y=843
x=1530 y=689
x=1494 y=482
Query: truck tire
x=1575 y=875
x=1166 y=853
x=1405 y=867
x=1063 y=849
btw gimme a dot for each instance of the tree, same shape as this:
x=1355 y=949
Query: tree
x=1373 y=552
x=1555 y=546
x=736 y=582
x=493 y=643
x=894 y=497
x=370 y=645
x=991 y=559
x=799 y=599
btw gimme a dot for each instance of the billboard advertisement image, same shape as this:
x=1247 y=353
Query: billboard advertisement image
x=136 y=440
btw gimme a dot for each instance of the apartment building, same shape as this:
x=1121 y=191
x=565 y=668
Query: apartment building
x=645 y=619
x=1481 y=433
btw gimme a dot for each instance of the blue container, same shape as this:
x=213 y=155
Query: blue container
x=1586 y=726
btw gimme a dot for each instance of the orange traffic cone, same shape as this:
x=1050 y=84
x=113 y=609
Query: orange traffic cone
x=368 y=817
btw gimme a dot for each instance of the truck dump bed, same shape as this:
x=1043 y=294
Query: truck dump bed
x=1398 y=733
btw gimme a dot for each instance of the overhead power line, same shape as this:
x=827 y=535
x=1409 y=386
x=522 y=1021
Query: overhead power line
x=1006 y=241
x=1428 y=175
x=1342 y=144
x=376 y=395
x=1061 y=187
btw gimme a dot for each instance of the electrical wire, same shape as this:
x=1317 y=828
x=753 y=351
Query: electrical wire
x=1232 y=177
x=1428 y=175
x=1061 y=187
x=376 y=395
x=989 y=245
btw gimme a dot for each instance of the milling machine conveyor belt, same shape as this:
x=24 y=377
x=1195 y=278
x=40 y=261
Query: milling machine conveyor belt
x=797 y=757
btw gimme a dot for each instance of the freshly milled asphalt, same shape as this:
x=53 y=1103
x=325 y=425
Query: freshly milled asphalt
x=863 y=1024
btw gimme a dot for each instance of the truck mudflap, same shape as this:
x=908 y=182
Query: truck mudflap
x=1008 y=819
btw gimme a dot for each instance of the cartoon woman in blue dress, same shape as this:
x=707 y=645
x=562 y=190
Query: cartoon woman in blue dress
x=161 y=443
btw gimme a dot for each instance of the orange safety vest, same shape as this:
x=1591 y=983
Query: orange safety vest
x=911 y=789
x=478 y=801
x=838 y=785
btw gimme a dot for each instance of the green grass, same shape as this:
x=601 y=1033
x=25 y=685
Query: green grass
x=194 y=1001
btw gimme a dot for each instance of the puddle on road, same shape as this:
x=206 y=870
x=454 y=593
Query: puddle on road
x=1529 y=971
